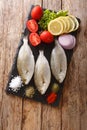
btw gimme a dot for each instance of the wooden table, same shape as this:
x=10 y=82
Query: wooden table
x=19 y=114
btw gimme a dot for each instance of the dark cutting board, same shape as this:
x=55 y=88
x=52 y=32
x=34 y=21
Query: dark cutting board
x=47 y=52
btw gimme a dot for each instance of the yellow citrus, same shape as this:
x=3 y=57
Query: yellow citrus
x=63 y=22
x=55 y=27
x=66 y=23
x=72 y=24
x=76 y=22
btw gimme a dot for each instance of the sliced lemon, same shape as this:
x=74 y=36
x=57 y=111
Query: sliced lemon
x=66 y=23
x=63 y=22
x=76 y=22
x=55 y=27
x=72 y=24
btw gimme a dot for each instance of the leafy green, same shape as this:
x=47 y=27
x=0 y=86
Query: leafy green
x=48 y=16
x=62 y=13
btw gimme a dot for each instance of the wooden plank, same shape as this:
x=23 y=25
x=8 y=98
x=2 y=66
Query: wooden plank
x=51 y=117
x=31 y=110
x=74 y=110
x=73 y=115
x=31 y=115
x=2 y=59
x=52 y=5
x=11 y=106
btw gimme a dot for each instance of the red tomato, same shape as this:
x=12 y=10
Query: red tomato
x=32 y=25
x=51 y=98
x=46 y=37
x=36 y=12
x=34 y=39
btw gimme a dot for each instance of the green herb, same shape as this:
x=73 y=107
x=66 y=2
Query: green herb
x=48 y=16
x=62 y=13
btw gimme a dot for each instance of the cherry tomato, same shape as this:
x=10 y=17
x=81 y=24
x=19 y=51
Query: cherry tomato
x=51 y=98
x=32 y=25
x=34 y=39
x=36 y=12
x=46 y=37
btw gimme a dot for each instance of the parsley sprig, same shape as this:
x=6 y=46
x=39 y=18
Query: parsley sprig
x=48 y=16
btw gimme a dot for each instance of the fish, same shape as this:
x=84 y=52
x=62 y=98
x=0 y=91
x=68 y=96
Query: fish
x=42 y=74
x=58 y=62
x=25 y=62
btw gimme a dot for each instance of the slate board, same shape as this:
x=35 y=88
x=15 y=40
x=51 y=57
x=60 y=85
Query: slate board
x=47 y=52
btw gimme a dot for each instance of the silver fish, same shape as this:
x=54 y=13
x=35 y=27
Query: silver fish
x=42 y=75
x=25 y=62
x=58 y=62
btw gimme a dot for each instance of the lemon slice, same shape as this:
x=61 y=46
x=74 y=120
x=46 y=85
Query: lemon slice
x=55 y=27
x=66 y=23
x=76 y=22
x=63 y=22
x=72 y=24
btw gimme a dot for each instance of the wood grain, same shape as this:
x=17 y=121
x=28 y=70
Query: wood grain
x=2 y=59
x=52 y=5
x=74 y=110
x=11 y=107
x=18 y=114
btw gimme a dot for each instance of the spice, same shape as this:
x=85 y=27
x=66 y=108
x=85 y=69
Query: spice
x=51 y=98
x=15 y=83
x=29 y=92
x=55 y=88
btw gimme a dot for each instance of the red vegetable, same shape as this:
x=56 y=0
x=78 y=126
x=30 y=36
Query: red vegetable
x=37 y=12
x=51 y=98
x=32 y=25
x=46 y=37
x=34 y=39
